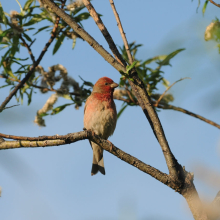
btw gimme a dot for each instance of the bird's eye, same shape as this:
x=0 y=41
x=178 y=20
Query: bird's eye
x=106 y=84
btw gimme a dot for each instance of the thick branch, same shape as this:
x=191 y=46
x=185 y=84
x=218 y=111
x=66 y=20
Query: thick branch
x=192 y=198
x=189 y=191
x=140 y=92
x=214 y=209
x=56 y=140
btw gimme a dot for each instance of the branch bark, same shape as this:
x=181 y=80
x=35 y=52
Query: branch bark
x=177 y=178
x=46 y=141
x=218 y=5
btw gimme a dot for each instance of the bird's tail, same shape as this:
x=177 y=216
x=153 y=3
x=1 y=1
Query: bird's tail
x=98 y=162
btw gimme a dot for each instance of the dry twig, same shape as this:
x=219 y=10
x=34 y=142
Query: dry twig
x=158 y=101
x=121 y=31
x=218 y=5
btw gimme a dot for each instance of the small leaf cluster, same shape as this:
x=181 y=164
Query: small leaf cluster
x=150 y=76
x=29 y=22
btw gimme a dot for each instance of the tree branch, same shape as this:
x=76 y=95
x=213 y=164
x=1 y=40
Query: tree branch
x=28 y=48
x=167 y=106
x=131 y=102
x=214 y=209
x=25 y=79
x=11 y=106
x=145 y=102
x=158 y=101
x=189 y=191
x=121 y=31
x=218 y=5
x=104 y=31
x=46 y=141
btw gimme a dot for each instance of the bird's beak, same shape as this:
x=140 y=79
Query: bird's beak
x=114 y=85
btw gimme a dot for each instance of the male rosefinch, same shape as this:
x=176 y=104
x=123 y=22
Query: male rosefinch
x=100 y=116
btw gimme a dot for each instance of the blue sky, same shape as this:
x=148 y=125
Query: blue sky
x=55 y=182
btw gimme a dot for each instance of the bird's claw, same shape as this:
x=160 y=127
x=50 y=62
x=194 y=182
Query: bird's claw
x=111 y=148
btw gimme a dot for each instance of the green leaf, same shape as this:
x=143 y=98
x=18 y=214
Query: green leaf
x=33 y=21
x=20 y=59
x=4 y=86
x=166 y=83
x=58 y=43
x=4 y=33
x=121 y=110
x=15 y=45
x=43 y=114
x=2 y=15
x=128 y=68
x=86 y=82
x=21 y=96
x=27 y=4
x=82 y=16
x=29 y=96
x=204 y=6
x=166 y=61
x=198 y=5
x=41 y=29
x=67 y=97
x=1 y=48
x=22 y=12
x=28 y=29
x=78 y=9
x=27 y=37
x=59 y=108
x=74 y=43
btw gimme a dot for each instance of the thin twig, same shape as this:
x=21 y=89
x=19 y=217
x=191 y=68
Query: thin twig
x=32 y=42
x=40 y=138
x=158 y=101
x=28 y=48
x=38 y=87
x=104 y=31
x=172 y=107
x=129 y=95
x=218 y=5
x=121 y=31
x=11 y=106
x=167 y=106
x=25 y=79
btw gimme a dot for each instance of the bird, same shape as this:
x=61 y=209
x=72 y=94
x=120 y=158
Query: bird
x=100 y=116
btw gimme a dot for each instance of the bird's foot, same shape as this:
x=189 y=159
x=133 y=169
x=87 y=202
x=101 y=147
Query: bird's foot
x=111 y=148
x=93 y=133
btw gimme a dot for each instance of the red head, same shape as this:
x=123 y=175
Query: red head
x=105 y=85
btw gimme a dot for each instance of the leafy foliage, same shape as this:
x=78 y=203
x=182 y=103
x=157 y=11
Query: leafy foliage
x=150 y=76
x=16 y=25
x=33 y=20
